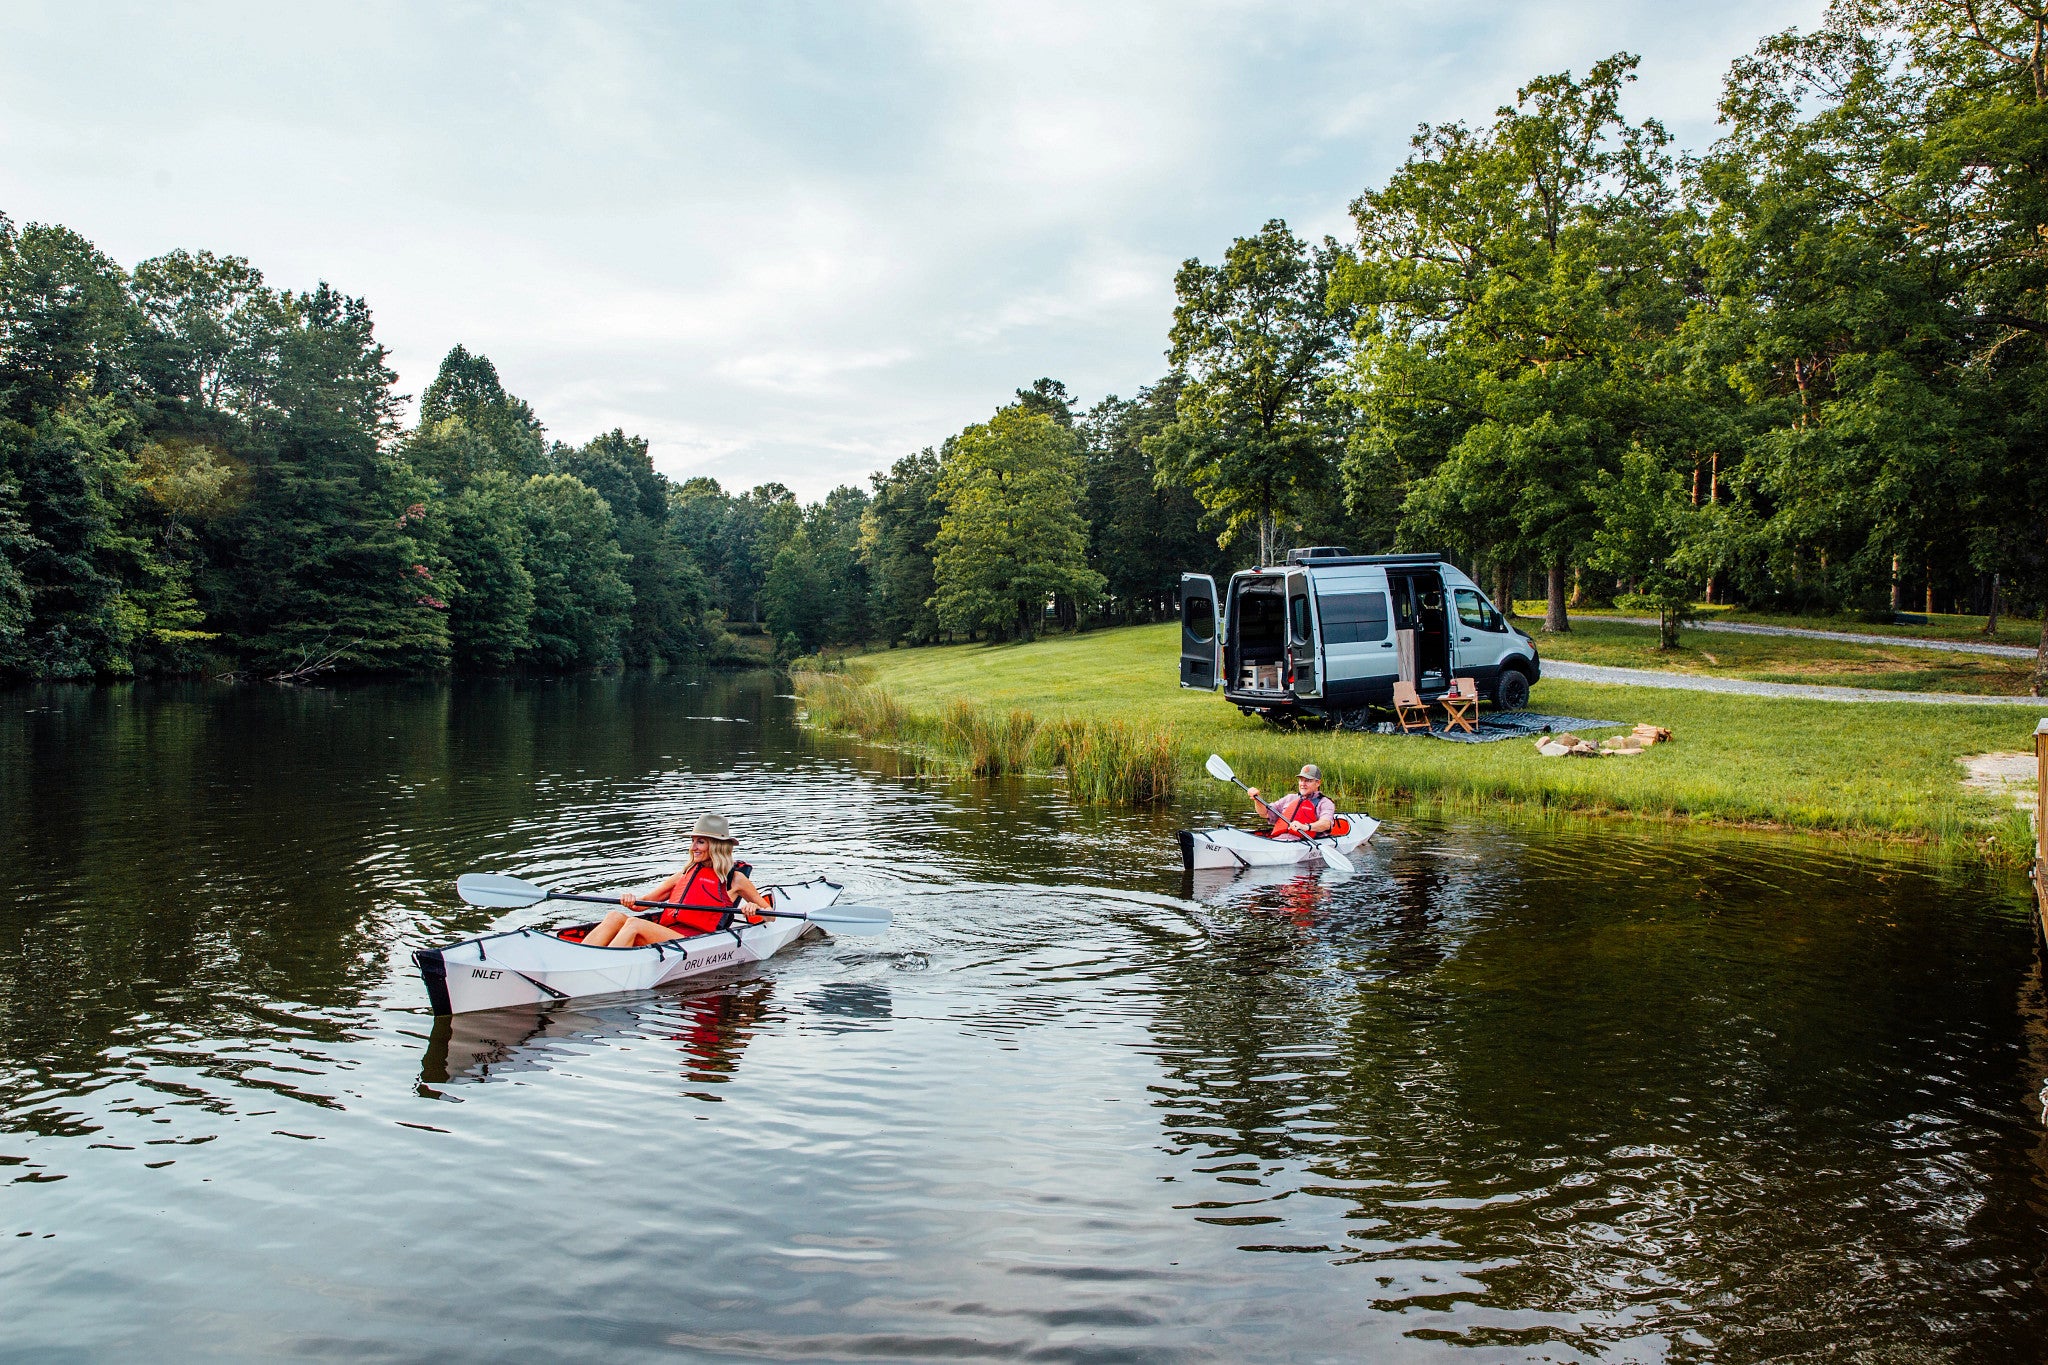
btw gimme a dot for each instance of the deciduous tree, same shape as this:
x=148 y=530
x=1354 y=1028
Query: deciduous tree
x=1254 y=435
x=1514 y=283
x=1012 y=534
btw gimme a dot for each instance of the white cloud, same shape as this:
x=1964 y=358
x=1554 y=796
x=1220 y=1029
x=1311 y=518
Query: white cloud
x=785 y=241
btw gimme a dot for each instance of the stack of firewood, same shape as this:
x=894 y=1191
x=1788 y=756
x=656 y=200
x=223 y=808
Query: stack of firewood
x=1629 y=745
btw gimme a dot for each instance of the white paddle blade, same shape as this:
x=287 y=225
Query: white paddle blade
x=497 y=892
x=852 y=919
x=1334 y=856
x=1220 y=770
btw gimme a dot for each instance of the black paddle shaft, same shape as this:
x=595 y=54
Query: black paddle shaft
x=675 y=905
x=1257 y=801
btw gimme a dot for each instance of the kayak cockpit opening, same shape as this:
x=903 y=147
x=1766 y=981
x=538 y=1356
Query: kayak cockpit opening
x=1338 y=830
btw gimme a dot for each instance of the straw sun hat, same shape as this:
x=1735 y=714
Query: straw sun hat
x=713 y=827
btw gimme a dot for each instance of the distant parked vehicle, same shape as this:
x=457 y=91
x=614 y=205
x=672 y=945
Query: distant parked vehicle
x=1329 y=633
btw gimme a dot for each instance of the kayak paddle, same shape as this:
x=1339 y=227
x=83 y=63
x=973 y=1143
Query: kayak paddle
x=1332 y=855
x=497 y=892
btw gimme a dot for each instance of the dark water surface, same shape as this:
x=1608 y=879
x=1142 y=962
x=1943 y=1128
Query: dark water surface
x=1509 y=1093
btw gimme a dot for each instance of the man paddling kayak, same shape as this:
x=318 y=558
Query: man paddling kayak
x=1303 y=813
x=711 y=886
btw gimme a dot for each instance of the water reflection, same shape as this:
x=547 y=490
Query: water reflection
x=1571 y=1092
x=709 y=1027
x=844 y=1006
x=1548 y=1108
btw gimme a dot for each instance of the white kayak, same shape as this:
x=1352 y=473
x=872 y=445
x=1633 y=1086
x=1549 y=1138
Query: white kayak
x=1227 y=847
x=534 y=967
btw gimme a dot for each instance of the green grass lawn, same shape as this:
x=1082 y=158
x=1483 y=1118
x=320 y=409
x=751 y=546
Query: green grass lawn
x=1884 y=771
x=1778 y=658
x=2012 y=630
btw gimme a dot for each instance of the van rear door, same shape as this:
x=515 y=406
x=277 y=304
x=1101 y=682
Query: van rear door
x=1304 y=640
x=1200 y=641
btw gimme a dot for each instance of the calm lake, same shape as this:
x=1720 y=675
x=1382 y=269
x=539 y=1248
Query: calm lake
x=1508 y=1093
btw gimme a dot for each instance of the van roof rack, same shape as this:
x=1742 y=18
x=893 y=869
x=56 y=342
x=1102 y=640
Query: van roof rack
x=1337 y=560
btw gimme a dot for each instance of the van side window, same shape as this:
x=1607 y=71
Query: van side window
x=1297 y=618
x=1475 y=611
x=1353 y=618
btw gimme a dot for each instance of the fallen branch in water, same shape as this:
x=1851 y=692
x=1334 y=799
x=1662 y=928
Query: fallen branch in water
x=309 y=666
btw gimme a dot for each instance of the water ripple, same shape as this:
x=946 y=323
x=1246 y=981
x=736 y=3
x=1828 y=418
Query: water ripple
x=1552 y=1092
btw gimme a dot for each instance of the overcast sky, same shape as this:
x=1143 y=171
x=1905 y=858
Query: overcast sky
x=782 y=241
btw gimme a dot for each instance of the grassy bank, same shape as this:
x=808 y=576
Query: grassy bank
x=2012 y=630
x=1887 y=772
x=1789 y=659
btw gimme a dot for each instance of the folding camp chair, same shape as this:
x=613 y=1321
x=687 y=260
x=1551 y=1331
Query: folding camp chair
x=1409 y=708
x=1459 y=704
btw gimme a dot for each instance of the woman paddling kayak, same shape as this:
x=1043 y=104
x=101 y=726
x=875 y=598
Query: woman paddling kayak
x=711 y=885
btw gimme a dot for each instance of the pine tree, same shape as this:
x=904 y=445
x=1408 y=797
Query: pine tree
x=334 y=560
x=581 y=602
x=897 y=531
x=491 y=601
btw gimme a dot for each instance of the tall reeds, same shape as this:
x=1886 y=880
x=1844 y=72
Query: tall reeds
x=841 y=701
x=990 y=743
x=1110 y=761
x=1106 y=762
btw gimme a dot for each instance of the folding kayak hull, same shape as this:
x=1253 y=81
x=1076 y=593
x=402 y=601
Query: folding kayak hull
x=1227 y=847
x=533 y=967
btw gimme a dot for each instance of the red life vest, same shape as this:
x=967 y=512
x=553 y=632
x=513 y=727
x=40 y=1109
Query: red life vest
x=706 y=890
x=1282 y=830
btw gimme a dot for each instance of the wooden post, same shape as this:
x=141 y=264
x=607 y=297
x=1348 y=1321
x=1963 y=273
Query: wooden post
x=2041 y=830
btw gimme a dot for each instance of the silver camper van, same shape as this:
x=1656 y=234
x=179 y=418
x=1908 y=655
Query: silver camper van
x=1328 y=634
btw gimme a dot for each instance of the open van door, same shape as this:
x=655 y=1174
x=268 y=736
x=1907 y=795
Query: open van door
x=1201 y=643
x=1304 y=639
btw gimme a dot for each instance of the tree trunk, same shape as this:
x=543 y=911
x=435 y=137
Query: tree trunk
x=1555 y=620
x=1928 y=570
x=1504 y=587
x=1895 y=582
x=1991 y=621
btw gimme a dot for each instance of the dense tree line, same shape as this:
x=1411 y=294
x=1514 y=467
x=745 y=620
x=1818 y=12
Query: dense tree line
x=200 y=472
x=1805 y=369
x=1040 y=516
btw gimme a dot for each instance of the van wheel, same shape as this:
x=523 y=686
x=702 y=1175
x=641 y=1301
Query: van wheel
x=1511 y=693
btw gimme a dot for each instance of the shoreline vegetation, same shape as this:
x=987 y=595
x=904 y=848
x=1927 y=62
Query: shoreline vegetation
x=1788 y=659
x=1798 y=372
x=1103 y=707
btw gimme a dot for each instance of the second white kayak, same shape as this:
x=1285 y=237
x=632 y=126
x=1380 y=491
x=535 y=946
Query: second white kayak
x=1228 y=847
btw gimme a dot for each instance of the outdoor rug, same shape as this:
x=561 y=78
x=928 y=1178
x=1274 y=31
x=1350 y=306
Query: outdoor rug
x=1499 y=725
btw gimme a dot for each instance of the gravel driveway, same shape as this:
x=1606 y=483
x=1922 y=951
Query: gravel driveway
x=1688 y=682
x=1839 y=636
